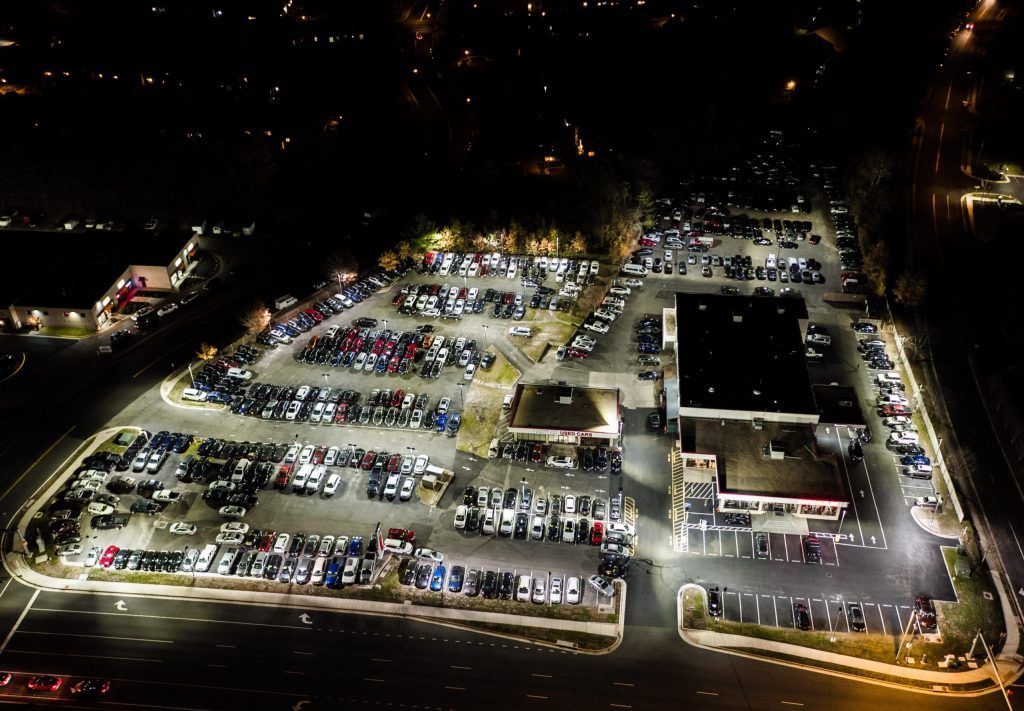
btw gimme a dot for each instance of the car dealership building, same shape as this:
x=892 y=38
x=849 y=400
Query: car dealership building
x=566 y=414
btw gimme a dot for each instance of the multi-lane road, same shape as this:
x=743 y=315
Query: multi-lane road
x=960 y=319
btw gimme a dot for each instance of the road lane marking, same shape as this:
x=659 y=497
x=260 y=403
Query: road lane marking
x=372 y=659
x=17 y=624
x=622 y=683
x=98 y=636
x=708 y=693
x=455 y=666
x=542 y=676
x=89 y=656
x=226 y=646
x=938 y=151
x=379 y=681
x=791 y=703
x=536 y=696
x=306 y=653
x=33 y=466
x=163 y=617
x=456 y=688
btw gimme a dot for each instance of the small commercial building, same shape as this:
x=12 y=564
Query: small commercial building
x=747 y=413
x=566 y=414
x=87 y=280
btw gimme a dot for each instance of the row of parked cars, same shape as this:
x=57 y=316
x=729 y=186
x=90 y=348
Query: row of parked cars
x=495 y=264
x=589 y=458
x=505 y=585
x=382 y=407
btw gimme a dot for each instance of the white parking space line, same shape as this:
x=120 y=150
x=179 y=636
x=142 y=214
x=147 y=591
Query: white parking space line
x=740 y=598
x=828 y=616
x=757 y=603
x=775 y=607
x=898 y=616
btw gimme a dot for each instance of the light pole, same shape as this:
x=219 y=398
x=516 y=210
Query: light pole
x=486 y=344
x=462 y=399
x=385 y=322
x=327 y=380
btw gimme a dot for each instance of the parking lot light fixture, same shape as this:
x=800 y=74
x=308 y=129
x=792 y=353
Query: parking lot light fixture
x=462 y=398
x=486 y=344
x=327 y=380
x=385 y=322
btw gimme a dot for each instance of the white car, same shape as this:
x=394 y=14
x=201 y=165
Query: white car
x=595 y=266
x=573 y=590
x=293 y=410
x=537 y=529
x=555 y=596
x=301 y=393
x=897 y=420
x=602 y=585
x=167 y=495
x=558 y=462
x=281 y=542
x=429 y=553
x=443 y=404
x=317 y=413
x=331 y=486
x=100 y=509
x=605 y=314
x=232 y=539
x=569 y=504
x=70 y=550
x=634 y=283
x=892 y=399
x=408 y=486
x=181 y=528
x=194 y=395
x=306 y=454
x=292 y=454
x=416 y=421
x=91 y=557
x=331 y=458
x=523 y=331
x=167 y=309
x=620 y=291
x=929 y=502
x=235 y=527
x=461 y=513
x=470 y=372
x=596 y=326
x=583 y=345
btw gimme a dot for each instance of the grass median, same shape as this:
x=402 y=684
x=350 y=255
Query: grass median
x=500 y=374
x=550 y=328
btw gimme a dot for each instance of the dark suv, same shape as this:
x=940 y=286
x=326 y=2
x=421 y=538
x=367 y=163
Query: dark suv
x=812 y=549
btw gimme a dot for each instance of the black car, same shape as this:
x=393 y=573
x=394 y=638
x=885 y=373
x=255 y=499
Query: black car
x=521 y=526
x=469 y=495
x=856 y=450
x=801 y=616
x=714 y=602
x=654 y=421
x=407 y=573
x=110 y=522
x=509 y=501
x=506 y=585
x=147 y=507
x=489 y=587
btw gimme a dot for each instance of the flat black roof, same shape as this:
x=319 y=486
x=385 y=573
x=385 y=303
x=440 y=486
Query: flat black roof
x=74 y=269
x=838 y=405
x=742 y=353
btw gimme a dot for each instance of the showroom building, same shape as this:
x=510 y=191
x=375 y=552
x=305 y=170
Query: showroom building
x=566 y=414
x=85 y=281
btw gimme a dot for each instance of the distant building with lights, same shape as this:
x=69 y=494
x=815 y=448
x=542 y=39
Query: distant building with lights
x=86 y=280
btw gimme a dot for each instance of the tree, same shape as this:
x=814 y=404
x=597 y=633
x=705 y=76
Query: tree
x=645 y=201
x=404 y=249
x=388 y=260
x=206 y=352
x=255 y=318
x=870 y=189
x=578 y=244
x=876 y=267
x=911 y=288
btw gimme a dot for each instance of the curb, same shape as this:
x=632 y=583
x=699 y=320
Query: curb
x=851 y=673
x=17 y=568
x=916 y=513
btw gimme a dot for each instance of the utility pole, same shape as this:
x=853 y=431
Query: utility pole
x=995 y=669
x=910 y=621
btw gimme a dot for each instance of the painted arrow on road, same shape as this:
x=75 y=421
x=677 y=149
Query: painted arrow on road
x=872 y=540
x=120 y=605
x=305 y=619
x=299 y=705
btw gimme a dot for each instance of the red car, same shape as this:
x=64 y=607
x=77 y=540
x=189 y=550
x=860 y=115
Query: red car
x=597 y=533
x=397 y=398
x=397 y=301
x=814 y=239
x=45 y=682
x=368 y=460
x=284 y=475
x=402 y=534
x=537 y=452
x=5 y=678
x=394 y=463
x=266 y=543
x=108 y=556
x=576 y=353
x=318 y=455
x=893 y=410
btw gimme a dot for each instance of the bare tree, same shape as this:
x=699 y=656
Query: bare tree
x=911 y=288
x=207 y=352
x=255 y=318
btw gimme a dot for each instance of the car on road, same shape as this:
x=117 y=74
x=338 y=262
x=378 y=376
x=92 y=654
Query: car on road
x=864 y=327
x=45 y=682
x=90 y=688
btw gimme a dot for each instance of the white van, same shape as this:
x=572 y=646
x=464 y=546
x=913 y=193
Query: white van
x=904 y=438
x=239 y=373
x=492 y=451
x=771 y=261
x=634 y=269
x=283 y=302
x=888 y=377
x=506 y=403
